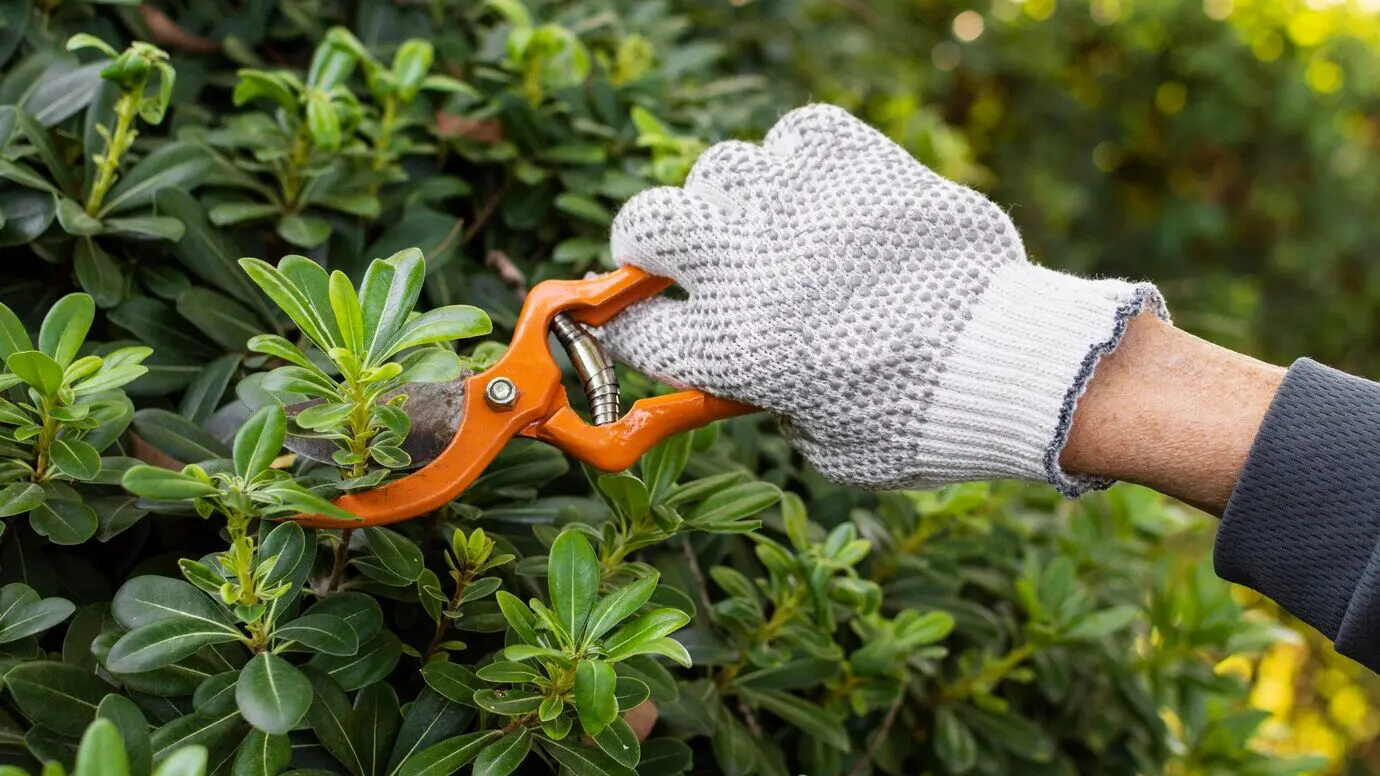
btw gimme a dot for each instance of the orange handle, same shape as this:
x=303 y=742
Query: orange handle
x=618 y=445
x=542 y=409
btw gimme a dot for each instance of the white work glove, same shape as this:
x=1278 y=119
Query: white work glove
x=888 y=317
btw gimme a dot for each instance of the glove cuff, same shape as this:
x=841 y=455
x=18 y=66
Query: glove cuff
x=1006 y=397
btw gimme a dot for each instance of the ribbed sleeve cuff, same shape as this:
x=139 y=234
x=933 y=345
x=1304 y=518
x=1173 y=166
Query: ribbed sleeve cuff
x=1005 y=402
x=1302 y=524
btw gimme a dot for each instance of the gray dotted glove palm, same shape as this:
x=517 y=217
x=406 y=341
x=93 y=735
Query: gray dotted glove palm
x=887 y=316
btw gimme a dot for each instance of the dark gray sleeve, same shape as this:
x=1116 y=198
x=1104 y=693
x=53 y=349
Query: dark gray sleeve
x=1303 y=522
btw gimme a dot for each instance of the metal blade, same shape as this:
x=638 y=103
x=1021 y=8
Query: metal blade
x=434 y=409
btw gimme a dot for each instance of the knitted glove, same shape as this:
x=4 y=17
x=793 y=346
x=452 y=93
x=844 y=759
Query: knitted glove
x=888 y=317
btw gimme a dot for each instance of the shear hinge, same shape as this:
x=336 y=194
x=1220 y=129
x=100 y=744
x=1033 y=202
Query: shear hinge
x=593 y=365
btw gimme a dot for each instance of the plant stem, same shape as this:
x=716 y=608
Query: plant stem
x=988 y=676
x=125 y=109
x=443 y=625
x=342 y=552
x=895 y=711
x=383 y=154
x=292 y=176
x=44 y=442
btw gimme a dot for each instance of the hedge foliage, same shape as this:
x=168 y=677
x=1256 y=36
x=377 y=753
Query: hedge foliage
x=454 y=153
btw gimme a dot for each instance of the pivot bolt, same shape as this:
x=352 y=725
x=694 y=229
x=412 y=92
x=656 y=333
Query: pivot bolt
x=501 y=394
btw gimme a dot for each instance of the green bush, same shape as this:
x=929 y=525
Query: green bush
x=160 y=604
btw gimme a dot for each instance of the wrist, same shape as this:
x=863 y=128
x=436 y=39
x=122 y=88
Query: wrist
x=1005 y=396
x=1171 y=411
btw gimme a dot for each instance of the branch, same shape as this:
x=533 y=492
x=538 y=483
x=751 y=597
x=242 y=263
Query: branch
x=860 y=767
x=168 y=34
x=508 y=272
x=694 y=564
x=749 y=718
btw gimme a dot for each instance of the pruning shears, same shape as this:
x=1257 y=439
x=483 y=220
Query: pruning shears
x=522 y=395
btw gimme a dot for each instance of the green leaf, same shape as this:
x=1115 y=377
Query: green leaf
x=627 y=494
x=617 y=606
x=260 y=441
x=954 y=743
x=178 y=437
x=272 y=695
x=145 y=600
x=441 y=325
x=396 y=552
x=387 y=296
x=509 y=703
x=815 y=721
x=663 y=464
x=274 y=345
x=163 y=643
x=262 y=754
x=13 y=337
x=349 y=318
x=60 y=697
x=187 y=761
x=207 y=252
x=584 y=760
x=65 y=326
x=330 y=719
x=508 y=671
x=164 y=485
x=231 y=213
x=290 y=298
x=1103 y=623
x=454 y=682
x=594 y=699
x=20 y=497
x=502 y=757
x=519 y=617
x=306 y=232
x=146 y=227
x=430 y=719
x=733 y=505
x=620 y=742
x=360 y=611
x=644 y=630
x=447 y=757
x=630 y=692
x=215 y=695
x=25 y=214
x=664 y=757
x=219 y=318
x=196 y=732
x=74 y=220
x=203 y=397
x=75 y=459
x=374 y=724
x=321 y=632
x=177 y=165
x=65 y=521
x=35 y=131
x=375 y=659
x=584 y=208
x=24 y=614
x=102 y=751
x=325 y=416
x=98 y=274
x=133 y=729
x=572 y=581
x=41 y=372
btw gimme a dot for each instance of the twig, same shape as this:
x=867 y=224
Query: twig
x=342 y=552
x=443 y=625
x=895 y=711
x=485 y=213
x=508 y=272
x=700 y=582
x=168 y=34
x=445 y=241
x=749 y=718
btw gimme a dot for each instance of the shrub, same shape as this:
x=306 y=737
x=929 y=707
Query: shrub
x=163 y=602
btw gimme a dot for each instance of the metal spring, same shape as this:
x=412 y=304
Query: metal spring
x=593 y=365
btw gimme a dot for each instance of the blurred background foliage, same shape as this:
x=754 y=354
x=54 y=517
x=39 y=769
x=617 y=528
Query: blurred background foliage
x=1225 y=149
